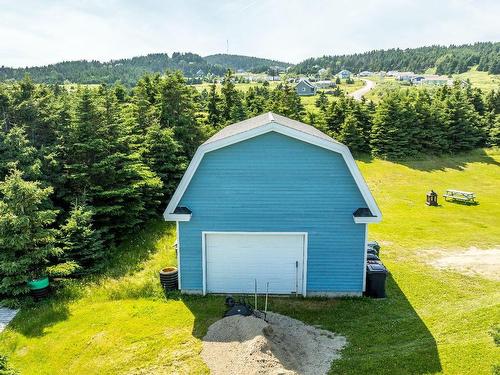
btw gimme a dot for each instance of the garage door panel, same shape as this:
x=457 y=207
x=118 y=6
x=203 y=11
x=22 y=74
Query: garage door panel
x=235 y=261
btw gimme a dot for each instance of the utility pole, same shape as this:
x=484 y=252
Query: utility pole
x=227 y=46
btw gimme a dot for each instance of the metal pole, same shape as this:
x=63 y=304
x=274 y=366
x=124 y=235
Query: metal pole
x=255 y=294
x=267 y=292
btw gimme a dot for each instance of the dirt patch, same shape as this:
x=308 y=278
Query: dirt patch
x=248 y=345
x=475 y=262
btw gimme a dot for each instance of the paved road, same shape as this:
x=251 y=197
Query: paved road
x=358 y=94
x=6 y=315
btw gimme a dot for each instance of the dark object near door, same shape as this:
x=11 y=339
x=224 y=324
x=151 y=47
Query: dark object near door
x=432 y=198
x=237 y=308
x=371 y=256
x=376 y=274
x=168 y=278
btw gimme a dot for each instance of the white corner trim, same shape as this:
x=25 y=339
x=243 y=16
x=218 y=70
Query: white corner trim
x=285 y=130
x=178 y=240
x=204 y=262
x=365 y=254
x=204 y=254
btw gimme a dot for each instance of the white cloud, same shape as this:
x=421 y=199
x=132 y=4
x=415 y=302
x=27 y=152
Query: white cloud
x=35 y=33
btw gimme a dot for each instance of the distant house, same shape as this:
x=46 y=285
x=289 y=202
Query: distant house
x=343 y=74
x=322 y=72
x=305 y=88
x=405 y=76
x=392 y=73
x=326 y=84
x=434 y=80
x=365 y=73
x=200 y=73
x=417 y=79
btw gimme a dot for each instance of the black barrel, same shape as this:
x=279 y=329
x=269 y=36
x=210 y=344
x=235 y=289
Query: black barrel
x=168 y=278
x=40 y=293
x=376 y=274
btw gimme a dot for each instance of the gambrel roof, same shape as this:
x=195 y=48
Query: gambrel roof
x=271 y=122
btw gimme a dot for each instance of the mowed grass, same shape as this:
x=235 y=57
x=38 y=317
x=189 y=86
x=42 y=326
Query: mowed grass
x=433 y=321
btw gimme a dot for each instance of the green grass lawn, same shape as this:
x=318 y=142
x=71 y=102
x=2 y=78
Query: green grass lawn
x=432 y=321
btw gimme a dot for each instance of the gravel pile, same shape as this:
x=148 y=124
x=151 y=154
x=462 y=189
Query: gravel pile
x=248 y=345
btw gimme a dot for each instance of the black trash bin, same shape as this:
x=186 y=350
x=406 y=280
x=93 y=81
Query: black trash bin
x=376 y=274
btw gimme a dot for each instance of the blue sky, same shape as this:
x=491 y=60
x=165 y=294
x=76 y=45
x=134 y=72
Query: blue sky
x=35 y=32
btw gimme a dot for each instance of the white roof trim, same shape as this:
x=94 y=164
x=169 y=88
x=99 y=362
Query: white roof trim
x=285 y=130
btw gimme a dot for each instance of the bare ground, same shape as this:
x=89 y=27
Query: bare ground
x=248 y=345
x=474 y=261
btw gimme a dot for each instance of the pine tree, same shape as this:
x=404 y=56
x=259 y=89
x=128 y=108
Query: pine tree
x=388 y=138
x=162 y=154
x=238 y=112
x=462 y=122
x=178 y=111
x=27 y=240
x=494 y=134
x=80 y=242
x=322 y=101
x=229 y=95
x=17 y=152
x=213 y=106
x=351 y=134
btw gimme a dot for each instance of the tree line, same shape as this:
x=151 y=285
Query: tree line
x=446 y=60
x=81 y=168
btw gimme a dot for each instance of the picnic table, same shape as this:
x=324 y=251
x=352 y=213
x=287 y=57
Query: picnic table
x=463 y=196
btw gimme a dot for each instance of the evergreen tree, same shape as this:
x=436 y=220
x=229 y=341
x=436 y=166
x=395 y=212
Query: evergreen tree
x=351 y=134
x=388 y=138
x=229 y=95
x=494 y=134
x=238 y=112
x=17 y=152
x=162 y=154
x=213 y=106
x=321 y=101
x=27 y=240
x=80 y=242
x=285 y=101
x=178 y=111
x=462 y=122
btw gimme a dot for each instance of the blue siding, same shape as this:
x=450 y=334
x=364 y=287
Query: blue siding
x=275 y=183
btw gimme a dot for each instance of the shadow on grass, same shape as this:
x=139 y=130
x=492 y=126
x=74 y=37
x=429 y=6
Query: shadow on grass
x=428 y=163
x=384 y=336
x=33 y=321
x=456 y=161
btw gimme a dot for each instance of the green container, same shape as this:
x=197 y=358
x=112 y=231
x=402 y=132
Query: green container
x=38 y=283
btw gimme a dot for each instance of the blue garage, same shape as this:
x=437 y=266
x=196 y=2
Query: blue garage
x=274 y=200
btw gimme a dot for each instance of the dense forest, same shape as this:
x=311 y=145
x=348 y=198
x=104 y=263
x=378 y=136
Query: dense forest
x=446 y=60
x=80 y=168
x=127 y=71
x=247 y=63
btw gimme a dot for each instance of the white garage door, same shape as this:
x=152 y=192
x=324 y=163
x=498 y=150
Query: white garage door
x=234 y=261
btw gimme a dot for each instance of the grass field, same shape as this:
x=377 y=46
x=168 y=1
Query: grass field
x=433 y=321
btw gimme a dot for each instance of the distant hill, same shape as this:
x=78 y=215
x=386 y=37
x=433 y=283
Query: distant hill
x=128 y=71
x=446 y=60
x=247 y=63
